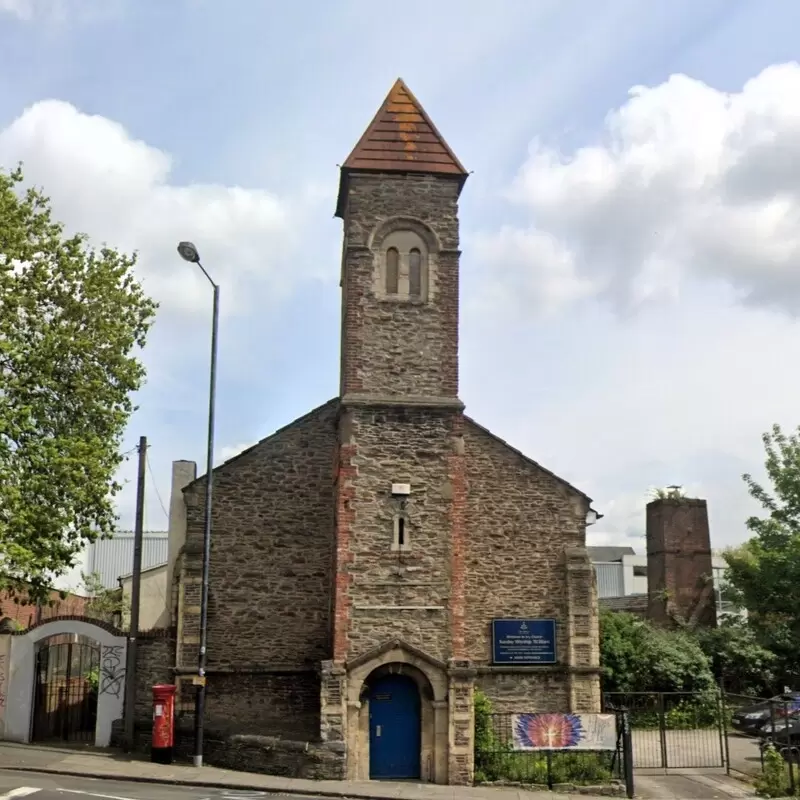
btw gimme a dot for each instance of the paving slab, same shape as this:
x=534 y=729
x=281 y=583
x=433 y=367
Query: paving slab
x=690 y=786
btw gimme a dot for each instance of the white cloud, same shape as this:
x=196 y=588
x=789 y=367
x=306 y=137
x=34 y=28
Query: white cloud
x=22 y=9
x=229 y=451
x=553 y=283
x=119 y=190
x=59 y=11
x=678 y=395
x=687 y=181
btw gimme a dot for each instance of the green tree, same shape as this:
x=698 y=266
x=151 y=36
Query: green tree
x=107 y=604
x=638 y=657
x=72 y=319
x=743 y=664
x=765 y=572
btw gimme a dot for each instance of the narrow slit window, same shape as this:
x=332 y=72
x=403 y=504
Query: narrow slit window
x=392 y=270
x=415 y=273
x=400 y=535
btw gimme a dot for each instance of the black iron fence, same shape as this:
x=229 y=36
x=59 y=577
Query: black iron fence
x=498 y=758
x=759 y=725
x=672 y=730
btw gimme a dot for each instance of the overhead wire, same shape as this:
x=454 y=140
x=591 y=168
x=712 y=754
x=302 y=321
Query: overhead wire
x=155 y=486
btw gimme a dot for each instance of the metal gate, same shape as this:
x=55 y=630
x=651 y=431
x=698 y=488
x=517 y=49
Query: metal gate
x=673 y=730
x=66 y=685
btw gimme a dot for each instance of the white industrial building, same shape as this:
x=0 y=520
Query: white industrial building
x=621 y=572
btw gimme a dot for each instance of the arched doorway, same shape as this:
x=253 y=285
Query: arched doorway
x=66 y=685
x=395 y=723
x=29 y=670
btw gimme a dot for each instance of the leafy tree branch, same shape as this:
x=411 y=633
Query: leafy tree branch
x=72 y=322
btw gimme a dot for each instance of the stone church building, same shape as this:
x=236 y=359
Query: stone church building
x=362 y=554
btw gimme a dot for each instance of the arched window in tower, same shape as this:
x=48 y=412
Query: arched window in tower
x=415 y=273
x=392 y=270
x=403 y=265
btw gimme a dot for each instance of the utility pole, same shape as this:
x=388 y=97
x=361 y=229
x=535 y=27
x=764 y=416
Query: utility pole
x=136 y=582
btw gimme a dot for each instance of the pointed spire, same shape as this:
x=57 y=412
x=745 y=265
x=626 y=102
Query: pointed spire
x=401 y=138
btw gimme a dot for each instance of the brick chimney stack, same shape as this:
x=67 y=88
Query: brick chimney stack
x=679 y=570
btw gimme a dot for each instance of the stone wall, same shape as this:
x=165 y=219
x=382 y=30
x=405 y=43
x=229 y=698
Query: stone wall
x=520 y=521
x=250 y=753
x=266 y=704
x=271 y=552
x=525 y=689
x=155 y=664
x=253 y=704
x=274 y=756
x=257 y=722
x=399 y=594
x=525 y=557
x=394 y=348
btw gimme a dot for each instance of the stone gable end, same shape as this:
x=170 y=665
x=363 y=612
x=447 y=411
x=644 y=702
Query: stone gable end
x=520 y=521
x=271 y=551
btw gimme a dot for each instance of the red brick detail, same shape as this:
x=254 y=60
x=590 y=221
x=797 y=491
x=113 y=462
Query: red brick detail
x=23 y=612
x=345 y=519
x=352 y=366
x=679 y=562
x=98 y=623
x=458 y=481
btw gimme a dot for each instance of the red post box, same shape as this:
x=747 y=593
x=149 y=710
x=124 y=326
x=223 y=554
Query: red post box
x=163 y=724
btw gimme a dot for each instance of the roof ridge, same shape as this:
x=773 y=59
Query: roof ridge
x=303 y=418
x=527 y=458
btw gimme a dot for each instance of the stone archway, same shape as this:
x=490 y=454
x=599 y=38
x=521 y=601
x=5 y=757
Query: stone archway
x=22 y=666
x=431 y=680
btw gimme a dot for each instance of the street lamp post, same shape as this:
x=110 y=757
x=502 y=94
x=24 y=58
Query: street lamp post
x=189 y=253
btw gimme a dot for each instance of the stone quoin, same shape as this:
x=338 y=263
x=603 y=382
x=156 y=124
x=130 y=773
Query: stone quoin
x=361 y=553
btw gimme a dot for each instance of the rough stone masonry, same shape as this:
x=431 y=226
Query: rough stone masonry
x=364 y=550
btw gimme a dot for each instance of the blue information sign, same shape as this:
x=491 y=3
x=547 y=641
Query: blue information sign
x=524 y=641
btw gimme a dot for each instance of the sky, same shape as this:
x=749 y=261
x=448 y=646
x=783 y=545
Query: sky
x=630 y=228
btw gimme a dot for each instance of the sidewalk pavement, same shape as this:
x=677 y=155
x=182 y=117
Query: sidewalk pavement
x=116 y=766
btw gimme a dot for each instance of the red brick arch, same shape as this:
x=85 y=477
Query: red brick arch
x=98 y=623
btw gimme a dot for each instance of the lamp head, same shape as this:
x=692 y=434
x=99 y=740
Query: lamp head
x=188 y=252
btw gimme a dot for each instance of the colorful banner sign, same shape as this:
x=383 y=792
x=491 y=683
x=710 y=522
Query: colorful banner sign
x=564 y=731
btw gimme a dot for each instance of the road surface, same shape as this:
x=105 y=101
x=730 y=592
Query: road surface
x=15 y=785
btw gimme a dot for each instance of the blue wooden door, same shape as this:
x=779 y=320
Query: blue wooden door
x=394 y=729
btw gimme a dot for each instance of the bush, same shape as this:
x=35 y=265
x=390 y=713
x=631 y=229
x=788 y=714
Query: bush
x=693 y=713
x=639 y=657
x=567 y=767
x=773 y=780
x=488 y=749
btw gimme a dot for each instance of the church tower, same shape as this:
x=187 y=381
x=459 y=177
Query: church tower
x=398 y=198
x=398 y=605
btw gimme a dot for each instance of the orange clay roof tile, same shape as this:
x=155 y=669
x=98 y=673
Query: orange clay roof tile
x=401 y=138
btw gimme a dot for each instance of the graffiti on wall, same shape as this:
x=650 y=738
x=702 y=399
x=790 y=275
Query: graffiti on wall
x=112 y=670
x=2 y=681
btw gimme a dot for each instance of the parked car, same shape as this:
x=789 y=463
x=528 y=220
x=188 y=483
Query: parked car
x=784 y=735
x=751 y=719
x=784 y=727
